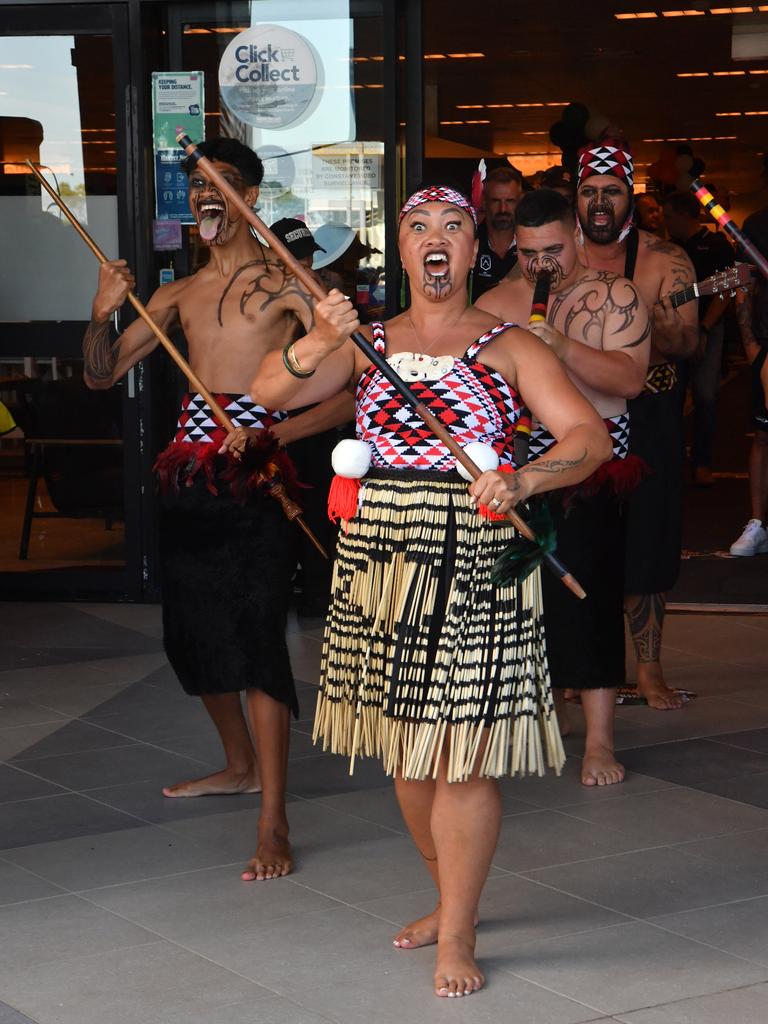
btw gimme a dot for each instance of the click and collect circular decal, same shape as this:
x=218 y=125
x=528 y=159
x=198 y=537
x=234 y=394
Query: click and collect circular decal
x=268 y=77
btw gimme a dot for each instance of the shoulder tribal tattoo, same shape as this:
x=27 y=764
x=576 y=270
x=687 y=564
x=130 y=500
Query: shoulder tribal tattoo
x=586 y=306
x=99 y=352
x=268 y=282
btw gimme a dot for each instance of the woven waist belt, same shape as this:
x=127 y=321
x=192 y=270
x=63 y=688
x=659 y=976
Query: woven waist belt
x=661 y=377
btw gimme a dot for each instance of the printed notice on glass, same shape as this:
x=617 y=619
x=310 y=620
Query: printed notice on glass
x=177 y=102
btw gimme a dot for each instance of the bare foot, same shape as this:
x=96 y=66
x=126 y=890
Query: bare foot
x=422 y=932
x=224 y=783
x=600 y=767
x=561 y=709
x=651 y=685
x=456 y=972
x=274 y=857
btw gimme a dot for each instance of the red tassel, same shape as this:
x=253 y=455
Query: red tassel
x=342 y=498
x=487 y=513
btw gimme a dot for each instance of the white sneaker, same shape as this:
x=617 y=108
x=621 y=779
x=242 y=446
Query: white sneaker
x=753 y=540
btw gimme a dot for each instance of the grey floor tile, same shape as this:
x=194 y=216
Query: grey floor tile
x=206 y=906
x=19 y=785
x=74 y=700
x=513 y=912
x=542 y=838
x=738 y=928
x=378 y=805
x=57 y=817
x=18 y=711
x=17 y=885
x=631 y=966
x=314 y=829
x=751 y=739
x=154 y=720
x=140 y=985
x=650 y=882
x=142 y=618
x=80 y=675
x=71 y=737
x=15 y=741
x=67 y=628
x=327 y=774
x=145 y=799
x=690 y=761
x=755 y=696
x=673 y=816
x=269 y=1010
x=114 y=858
x=10 y=1016
x=741 y=1006
x=365 y=869
x=742 y=851
x=60 y=928
x=750 y=789
x=567 y=790
x=373 y=1001
x=135 y=762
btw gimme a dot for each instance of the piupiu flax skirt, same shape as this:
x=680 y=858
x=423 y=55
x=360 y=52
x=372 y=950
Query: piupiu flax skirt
x=422 y=652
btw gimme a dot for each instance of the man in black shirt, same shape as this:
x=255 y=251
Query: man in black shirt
x=709 y=252
x=497 y=252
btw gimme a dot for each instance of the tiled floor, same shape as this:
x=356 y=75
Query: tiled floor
x=645 y=903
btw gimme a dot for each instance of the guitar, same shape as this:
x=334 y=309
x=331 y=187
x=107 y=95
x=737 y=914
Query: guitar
x=728 y=280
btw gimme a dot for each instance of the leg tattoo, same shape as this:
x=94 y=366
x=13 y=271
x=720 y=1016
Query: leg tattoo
x=646 y=620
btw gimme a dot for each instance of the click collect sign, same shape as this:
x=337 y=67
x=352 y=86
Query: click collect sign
x=269 y=77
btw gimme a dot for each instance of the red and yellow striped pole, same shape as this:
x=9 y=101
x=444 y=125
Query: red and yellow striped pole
x=727 y=222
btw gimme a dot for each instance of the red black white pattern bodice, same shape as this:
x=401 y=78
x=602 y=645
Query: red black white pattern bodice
x=197 y=424
x=473 y=401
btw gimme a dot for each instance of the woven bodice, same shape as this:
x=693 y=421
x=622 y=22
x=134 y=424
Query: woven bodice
x=473 y=401
x=197 y=423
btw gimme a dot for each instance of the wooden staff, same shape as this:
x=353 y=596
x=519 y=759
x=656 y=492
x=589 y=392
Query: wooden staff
x=276 y=489
x=316 y=289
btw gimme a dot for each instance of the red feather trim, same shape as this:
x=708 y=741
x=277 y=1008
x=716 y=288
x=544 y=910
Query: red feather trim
x=488 y=513
x=262 y=463
x=621 y=475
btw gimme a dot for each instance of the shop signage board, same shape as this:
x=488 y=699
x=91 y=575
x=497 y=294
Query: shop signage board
x=177 y=101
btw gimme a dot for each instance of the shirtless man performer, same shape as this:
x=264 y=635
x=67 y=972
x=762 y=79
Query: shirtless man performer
x=597 y=325
x=228 y=551
x=654 y=515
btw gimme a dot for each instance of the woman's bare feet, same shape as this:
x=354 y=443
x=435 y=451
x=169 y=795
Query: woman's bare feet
x=422 y=932
x=224 y=783
x=651 y=685
x=274 y=856
x=456 y=972
x=600 y=767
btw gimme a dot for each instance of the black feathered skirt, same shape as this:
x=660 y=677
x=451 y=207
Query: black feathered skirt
x=422 y=653
x=227 y=564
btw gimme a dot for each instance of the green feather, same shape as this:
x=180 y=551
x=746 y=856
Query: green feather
x=522 y=556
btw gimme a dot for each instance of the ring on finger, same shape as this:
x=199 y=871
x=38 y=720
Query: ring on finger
x=495 y=502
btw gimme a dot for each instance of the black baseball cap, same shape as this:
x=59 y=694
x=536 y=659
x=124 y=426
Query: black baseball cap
x=296 y=236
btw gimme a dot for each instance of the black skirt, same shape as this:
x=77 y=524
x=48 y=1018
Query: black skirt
x=585 y=639
x=227 y=567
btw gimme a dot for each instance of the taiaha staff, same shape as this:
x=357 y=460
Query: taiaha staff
x=538 y=314
x=725 y=220
x=315 y=289
x=276 y=490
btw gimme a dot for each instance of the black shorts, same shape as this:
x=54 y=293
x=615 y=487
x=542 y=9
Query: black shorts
x=759 y=410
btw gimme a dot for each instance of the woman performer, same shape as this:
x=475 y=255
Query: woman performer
x=426 y=663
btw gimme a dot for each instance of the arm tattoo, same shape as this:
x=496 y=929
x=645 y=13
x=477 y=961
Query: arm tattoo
x=270 y=282
x=553 y=465
x=99 y=354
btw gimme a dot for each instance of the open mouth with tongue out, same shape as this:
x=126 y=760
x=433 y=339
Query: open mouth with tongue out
x=210 y=216
x=436 y=263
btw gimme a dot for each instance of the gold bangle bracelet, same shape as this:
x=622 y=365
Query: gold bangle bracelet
x=291 y=363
